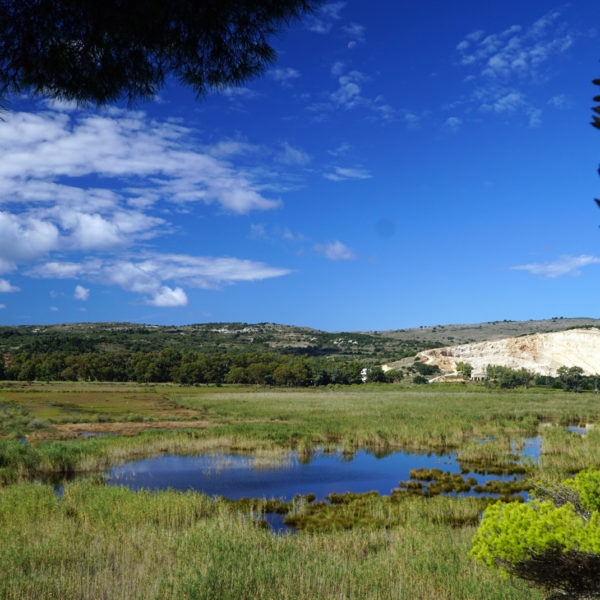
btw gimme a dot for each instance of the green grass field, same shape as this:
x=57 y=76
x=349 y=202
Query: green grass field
x=103 y=542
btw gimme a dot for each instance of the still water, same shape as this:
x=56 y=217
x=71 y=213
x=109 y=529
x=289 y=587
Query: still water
x=235 y=476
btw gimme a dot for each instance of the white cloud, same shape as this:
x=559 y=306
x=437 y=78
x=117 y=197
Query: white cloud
x=293 y=156
x=168 y=298
x=343 y=173
x=565 y=265
x=81 y=293
x=7 y=287
x=348 y=92
x=229 y=148
x=136 y=163
x=507 y=103
x=53 y=308
x=284 y=75
x=148 y=274
x=2 y=306
x=322 y=21
x=453 y=124
x=560 y=101
x=356 y=33
x=516 y=51
x=243 y=93
x=335 y=250
x=505 y=63
x=258 y=231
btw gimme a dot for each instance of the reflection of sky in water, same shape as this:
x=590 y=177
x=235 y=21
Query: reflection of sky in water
x=240 y=476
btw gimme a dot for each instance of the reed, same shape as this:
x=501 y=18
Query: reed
x=106 y=542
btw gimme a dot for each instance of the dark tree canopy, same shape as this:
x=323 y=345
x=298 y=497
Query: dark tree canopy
x=596 y=109
x=596 y=121
x=100 y=51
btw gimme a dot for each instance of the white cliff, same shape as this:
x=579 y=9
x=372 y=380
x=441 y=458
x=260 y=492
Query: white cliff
x=541 y=353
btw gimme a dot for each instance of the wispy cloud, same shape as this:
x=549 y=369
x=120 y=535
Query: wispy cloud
x=453 y=124
x=356 y=33
x=322 y=21
x=284 y=75
x=148 y=276
x=335 y=250
x=240 y=93
x=292 y=156
x=565 y=265
x=343 y=173
x=349 y=95
x=504 y=64
x=516 y=51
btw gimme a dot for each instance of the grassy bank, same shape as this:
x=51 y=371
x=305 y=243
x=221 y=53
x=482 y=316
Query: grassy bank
x=102 y=542
x=381 y=418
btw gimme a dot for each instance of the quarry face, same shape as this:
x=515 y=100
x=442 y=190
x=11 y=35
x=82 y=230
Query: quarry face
x=541 y=353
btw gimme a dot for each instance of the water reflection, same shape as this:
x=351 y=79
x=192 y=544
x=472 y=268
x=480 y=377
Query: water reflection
x=235 y=476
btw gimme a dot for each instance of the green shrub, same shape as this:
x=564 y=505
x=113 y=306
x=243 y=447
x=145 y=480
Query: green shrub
x=553 y=541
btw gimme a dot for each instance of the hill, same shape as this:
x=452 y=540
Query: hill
x=79 y=338
x=450 y=335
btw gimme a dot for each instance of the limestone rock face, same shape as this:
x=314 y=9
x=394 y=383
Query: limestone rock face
x=541 y=353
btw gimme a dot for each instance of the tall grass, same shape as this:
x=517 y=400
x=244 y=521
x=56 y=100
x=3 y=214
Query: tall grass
x=379 y=418
x=110 y=543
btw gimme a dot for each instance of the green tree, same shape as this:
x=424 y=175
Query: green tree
x=91 y=51
x=376 y=374
x=465 y=369
x=571 y=378
x=553 y=541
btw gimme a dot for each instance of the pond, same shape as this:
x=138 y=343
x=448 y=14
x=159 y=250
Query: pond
x=236 y=477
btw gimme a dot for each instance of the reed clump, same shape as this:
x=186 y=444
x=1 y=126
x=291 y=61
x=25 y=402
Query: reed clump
x=109 y=542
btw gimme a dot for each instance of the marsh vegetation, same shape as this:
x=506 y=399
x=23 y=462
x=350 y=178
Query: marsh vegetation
x=103 y=541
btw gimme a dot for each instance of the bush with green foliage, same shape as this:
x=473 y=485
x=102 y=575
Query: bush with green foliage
x=552 y=541
x=465 y=369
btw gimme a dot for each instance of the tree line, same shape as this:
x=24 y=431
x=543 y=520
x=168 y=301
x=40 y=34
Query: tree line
x=569 y=379
x=186 y=367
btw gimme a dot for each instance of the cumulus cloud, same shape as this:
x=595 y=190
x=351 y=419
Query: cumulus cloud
x=335 y=250
x=148 y=275
x=565 y=265
x=344 y=173
x=7 y=287
x=81 y=293
x=167 y=297
x=134 y=162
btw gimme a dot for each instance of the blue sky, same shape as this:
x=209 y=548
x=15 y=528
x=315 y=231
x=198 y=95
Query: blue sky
x=401 y=164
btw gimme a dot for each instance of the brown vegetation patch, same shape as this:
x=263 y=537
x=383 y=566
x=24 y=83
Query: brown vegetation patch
x=78 y=430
